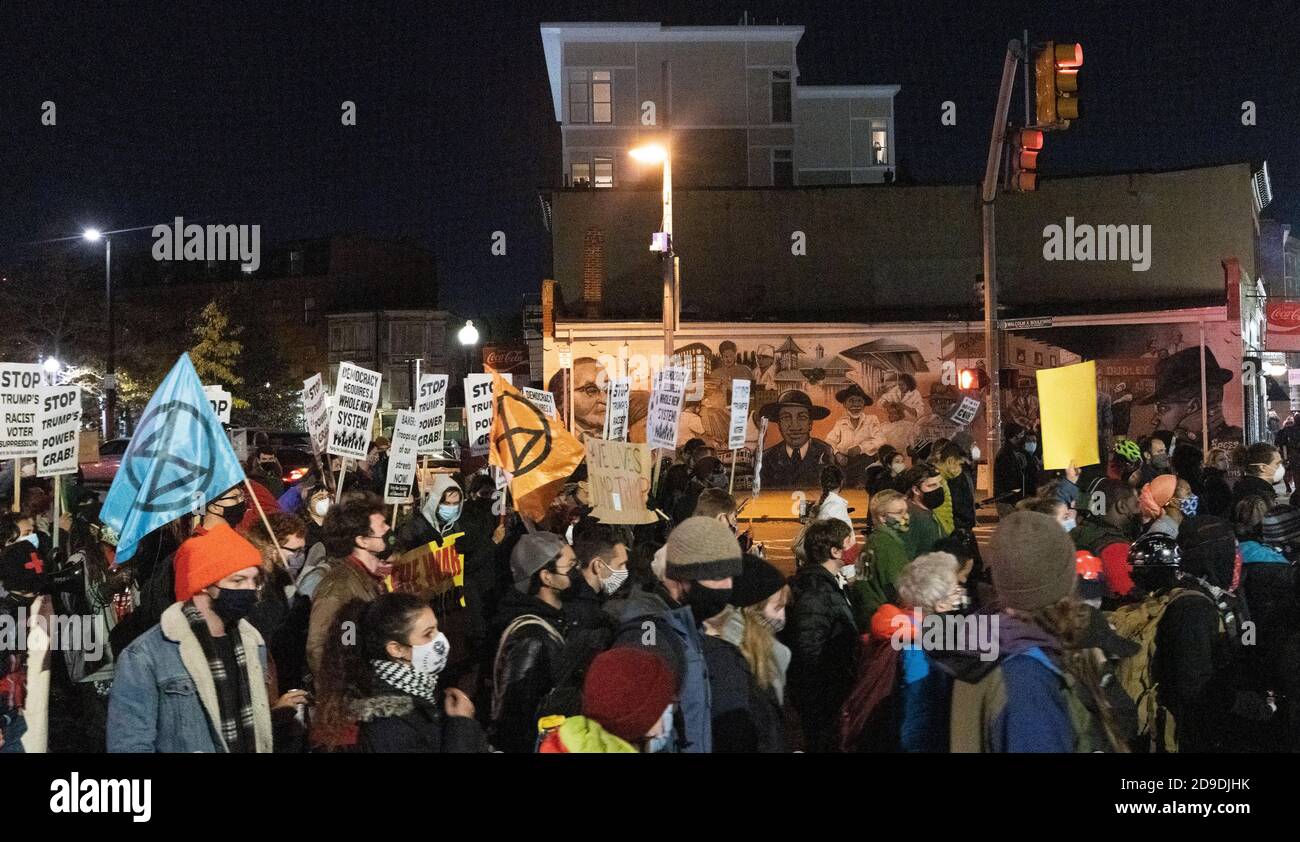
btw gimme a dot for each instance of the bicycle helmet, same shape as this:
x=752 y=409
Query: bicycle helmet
x=1128 y=450
x=1155 y=550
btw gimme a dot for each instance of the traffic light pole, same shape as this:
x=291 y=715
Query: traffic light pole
x=989 y=193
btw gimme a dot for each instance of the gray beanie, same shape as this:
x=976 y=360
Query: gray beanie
x=702 y=548
x=1032 y=559
x=531 y=553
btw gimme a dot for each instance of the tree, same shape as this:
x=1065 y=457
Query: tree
x=217 y=350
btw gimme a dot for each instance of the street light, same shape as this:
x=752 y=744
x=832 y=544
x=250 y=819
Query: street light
x=51 y=366
x=468 y=334
x=655 y=153
x=110 y=374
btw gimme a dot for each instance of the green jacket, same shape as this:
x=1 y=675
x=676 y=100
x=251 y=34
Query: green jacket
x=887 y=556
x=923 y=532
x=943 y=514
x=580 y=735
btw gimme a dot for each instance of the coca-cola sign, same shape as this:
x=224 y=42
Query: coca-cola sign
x=1283 y=326
x=507 y=359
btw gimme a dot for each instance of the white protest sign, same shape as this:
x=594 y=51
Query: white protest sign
x=356 y=396
x=220 y=400
x=59 y=430
x=19 y=406
x=666 y=407
x=966 y=412
x=566 y=358
x=431 y=413
x=739 y=413
x=620 y=398
x=316 y=409
x=478 y=411
x=541 y=399
x=400 y=482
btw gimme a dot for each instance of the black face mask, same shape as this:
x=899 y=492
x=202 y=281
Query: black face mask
x=232 y=605
x=385 y=552
x=707 y=602
x=234 y=513
x=933 y=499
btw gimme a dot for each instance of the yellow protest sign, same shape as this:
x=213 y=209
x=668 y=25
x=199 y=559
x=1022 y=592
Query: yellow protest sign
x=1067 y=405
x=618 y=480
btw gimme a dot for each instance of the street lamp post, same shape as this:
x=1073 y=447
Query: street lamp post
x=110 y=373
x=655 y=153
x=468 y=337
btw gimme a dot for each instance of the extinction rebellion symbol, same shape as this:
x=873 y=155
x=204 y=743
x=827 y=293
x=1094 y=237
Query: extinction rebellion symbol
x=529 y=445
x=172 y=480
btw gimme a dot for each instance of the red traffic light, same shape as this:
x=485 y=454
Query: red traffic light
x=967 y=379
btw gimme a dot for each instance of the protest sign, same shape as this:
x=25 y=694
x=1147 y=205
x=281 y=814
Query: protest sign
x=478 y=411
x=220 y=400
x=620 y=398
x=618 y=480
x=59 y=430
x=966 y=412
x=666 y=407
x=431 y=413
x=739 y=413
x=400 y=482
x=88 y=450
x=316 y=409
x=1069 y=435
x=19 y=406
x=542 y=399
x=356 y=396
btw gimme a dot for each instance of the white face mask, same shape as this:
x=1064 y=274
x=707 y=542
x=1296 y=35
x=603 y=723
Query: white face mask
x=1030 y=447
x=974 y=453
x=615 y=580
x=1279 y=474
x=321 y=507
x=1069 y=525
x=849 y=571
x=431 y=657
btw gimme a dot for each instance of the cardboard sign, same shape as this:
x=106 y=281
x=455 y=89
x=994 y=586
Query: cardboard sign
x=220 y=400
x=355 y=399
x=541 y=399
x=618 y=480
x=966 y=411
x=431 y=413
x=316 y=409
x=59 y=430
x=1068 y=434
x=665 y=412
x=478 y=411
x=616 y=412
x=88 y=450
x=19 y=405
x=739 y=413
x=400 y=482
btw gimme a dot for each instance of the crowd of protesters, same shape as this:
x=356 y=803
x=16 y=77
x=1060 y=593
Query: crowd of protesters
x=1146 y=604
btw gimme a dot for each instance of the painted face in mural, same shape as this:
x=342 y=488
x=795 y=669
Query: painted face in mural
x=765 y=361
x=589 y=395
x=796 y=425
x=1174 y=414
x=728 y=357
x=854 y=405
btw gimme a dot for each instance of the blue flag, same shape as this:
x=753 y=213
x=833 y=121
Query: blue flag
x=178 y=460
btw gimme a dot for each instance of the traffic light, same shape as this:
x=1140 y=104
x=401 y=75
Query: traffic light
x=1056 y=82
x=972 y=378
x=1024 y=163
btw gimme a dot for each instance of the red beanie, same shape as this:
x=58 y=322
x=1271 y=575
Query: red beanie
x=627 y=690
x=208 y=558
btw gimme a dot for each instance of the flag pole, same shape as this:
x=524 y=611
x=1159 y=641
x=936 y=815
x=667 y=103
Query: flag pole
x=17 y=484
x=261 y=513
x=731 y=486
x=343 y=471
x=57 y=477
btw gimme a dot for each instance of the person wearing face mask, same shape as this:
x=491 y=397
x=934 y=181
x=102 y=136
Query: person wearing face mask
x=285 y=641
x=1109 y=534
x=1011 y=481
x=196 y=681
x=1216 y=489
x=759 y=597
x=1261 y=471
x=385 y=683
x=900 y=699
x=1155 y=456
x=882 y=474
x=924 y=489
x=625 y=698
x=357 y=538
x=821 y=632
x=602 y=564
x=887 y=553
x=1171 y=499
x=954 y=464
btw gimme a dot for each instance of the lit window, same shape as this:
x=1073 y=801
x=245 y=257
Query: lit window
x=781 y=107
x=604 y=170
x=879 y=142
x=581 y=174
x=591 y=97
x=782 y=168
x=602 y=102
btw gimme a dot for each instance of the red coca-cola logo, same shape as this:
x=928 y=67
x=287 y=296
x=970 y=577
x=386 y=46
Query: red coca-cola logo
x=1284 y=316
x=504 y=358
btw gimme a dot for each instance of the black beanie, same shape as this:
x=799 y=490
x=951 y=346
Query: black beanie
x=757 y=582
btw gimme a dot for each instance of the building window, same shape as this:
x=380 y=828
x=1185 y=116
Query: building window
x=781 y=100
x=581 y=174
x=406 y=339
x=295 y=262
x=604 y=170
x=1038 y=358
x=591 y=97
x=782 y=168
x=879 y=143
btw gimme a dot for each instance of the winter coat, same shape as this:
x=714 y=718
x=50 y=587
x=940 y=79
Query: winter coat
x=345 y=581
x=1216 y=494
x=652 y=620
x=833 y=506
x=923 y=531
x=887 y=555
x=733 y=631
x=962 y=490
x=399 y=723
x=823 y=641
x=164 y=698
x=1111 y=546
x=1011 y=480
x=1252 y=486
x=1271 y=586
x=525 y=669
x=745 y=720
x=943 y=514
x=580 y=735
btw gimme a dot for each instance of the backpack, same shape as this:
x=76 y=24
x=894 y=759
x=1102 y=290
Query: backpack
x=498 y=686
x=1139 y=623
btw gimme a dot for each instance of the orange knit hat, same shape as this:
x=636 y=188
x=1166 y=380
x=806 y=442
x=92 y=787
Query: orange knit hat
x=208 y=558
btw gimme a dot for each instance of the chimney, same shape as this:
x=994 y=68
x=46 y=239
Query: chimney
x=593 y=272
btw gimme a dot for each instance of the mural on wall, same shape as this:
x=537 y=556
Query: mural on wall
x=838 y=399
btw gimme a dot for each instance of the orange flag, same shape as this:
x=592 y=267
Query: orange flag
x=535 y=450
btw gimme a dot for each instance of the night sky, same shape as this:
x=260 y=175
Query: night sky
x=232 y=116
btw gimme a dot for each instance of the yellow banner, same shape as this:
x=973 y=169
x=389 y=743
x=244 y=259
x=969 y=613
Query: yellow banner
x=1067 y=405
x=534 y=449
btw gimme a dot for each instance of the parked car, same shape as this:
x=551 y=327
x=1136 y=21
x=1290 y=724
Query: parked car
x=110 y=458
x=295 y=462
